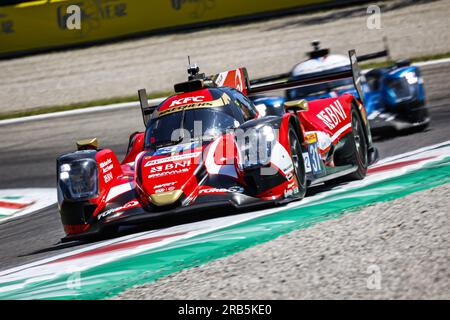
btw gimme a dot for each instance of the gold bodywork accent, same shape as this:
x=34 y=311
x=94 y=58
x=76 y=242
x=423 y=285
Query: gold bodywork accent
x=165 y=198
x=87 y=144
x=298 y=105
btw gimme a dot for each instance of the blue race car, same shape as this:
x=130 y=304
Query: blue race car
x=393 y=96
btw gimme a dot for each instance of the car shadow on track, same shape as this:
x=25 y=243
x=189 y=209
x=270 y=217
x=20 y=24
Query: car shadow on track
x=390 y=134
x=162 y=223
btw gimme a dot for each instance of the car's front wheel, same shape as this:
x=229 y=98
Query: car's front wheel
x=298 y=162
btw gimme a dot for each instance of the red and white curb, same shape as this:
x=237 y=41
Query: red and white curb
x=19 y=202
x=131 y=245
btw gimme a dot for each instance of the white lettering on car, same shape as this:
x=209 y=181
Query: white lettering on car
x=222 y=190
x=168 y=173
x=165 y=185
x=187 y=100
x=108 y=177
x=107 y=165
x=126 y=206
x=333 y=115
x=172 y=159
x=170 y=166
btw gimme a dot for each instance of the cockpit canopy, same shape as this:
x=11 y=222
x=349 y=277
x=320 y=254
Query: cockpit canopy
x=316 y=67
x=200 y=115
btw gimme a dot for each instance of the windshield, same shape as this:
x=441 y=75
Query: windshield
x=194 y=124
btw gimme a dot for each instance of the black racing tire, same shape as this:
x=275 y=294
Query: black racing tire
x=355 y=152
x=359 y=146
x=298 y=162
x=421 y=128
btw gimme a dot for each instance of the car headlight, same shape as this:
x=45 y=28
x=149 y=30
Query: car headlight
x=80 y=178
x=255 y=146
x=411 y=77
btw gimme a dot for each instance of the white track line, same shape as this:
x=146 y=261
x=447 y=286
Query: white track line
x=135 y=104
x=410 y=153
x=109 y=107
x=431 y=62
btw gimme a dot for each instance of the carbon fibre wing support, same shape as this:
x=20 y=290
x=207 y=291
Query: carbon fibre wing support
x=146 y=109
x=352 y=72
x=356 y=74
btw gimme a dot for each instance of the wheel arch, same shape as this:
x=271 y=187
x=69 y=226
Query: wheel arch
x=292 y=119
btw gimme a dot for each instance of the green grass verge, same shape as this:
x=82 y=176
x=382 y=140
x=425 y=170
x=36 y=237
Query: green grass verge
x=81 y=105
x=100 y=102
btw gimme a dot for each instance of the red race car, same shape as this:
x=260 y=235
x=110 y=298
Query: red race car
x=208 y=147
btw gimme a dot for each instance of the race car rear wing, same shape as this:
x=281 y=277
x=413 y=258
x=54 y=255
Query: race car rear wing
x=281 y=76
x=374 y=55
x=352 y=72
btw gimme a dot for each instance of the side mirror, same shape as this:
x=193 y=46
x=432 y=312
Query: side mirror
x=296 y=105
x=88 y=144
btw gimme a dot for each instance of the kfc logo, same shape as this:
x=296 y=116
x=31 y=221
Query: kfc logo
x=187 y=100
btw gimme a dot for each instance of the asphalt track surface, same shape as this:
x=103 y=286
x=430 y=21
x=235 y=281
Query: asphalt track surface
x=28 y=152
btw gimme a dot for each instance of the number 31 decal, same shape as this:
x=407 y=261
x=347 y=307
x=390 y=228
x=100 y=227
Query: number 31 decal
x=314 y=157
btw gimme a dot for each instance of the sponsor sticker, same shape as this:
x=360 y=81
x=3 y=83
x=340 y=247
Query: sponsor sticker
x=129 y=205
x=188 y=100
x=307 y=162
x=176 y=149
x=170 y=166
x=311 y=138
x=225 y=99
x=165 y=186
x=314 y=157
x=290 y=192
x=333 y=115
x=106 y=167
x=235 y=189
x=168 y=173
x=108 y=177
x=172 y=159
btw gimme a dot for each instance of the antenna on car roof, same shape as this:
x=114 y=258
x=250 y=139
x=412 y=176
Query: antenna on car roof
x=194 y=71
x=317 y=51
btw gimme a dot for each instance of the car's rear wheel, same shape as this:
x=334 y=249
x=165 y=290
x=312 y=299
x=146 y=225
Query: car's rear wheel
x=298 y=162
x=358 y=142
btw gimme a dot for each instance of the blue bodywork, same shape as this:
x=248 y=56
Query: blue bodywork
x=393 y=96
